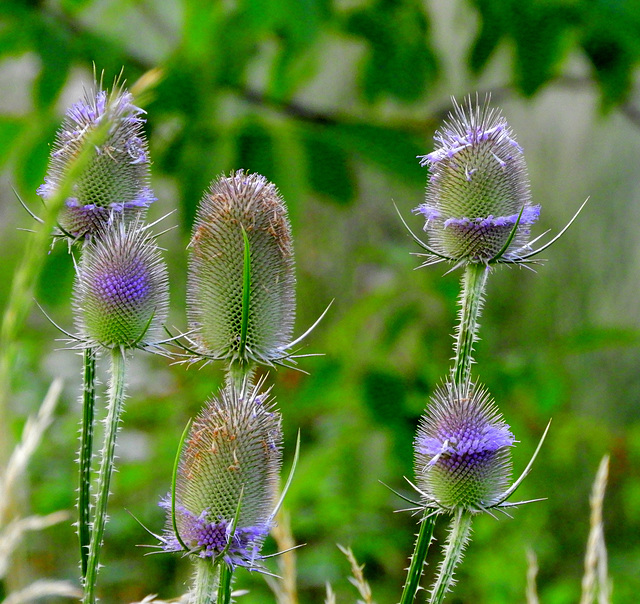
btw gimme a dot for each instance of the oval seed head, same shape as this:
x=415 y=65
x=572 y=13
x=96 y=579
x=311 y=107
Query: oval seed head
x=478 y=189
x=230 y=461
x=462 y=451
x=116 y=179
x=121 y=292
x=232 y=318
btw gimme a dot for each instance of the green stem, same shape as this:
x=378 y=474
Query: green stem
x=471 y=298
x=224 y=590
x=206 y=581
x=86 y=453
x=418 y=559
x=114 y=410
x=26 y=276
x=454 y=550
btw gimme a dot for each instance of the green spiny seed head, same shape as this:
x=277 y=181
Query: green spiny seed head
x=116 y=180
x=232 y=456
x=240 y=312
x=462 y=451
x=478 y=190
x=121 y=292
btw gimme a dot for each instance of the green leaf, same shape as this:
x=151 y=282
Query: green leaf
x=539 y=31
x=34 y=162
x=542 y=31
x=53 y=46
x=56 y=278
x=384 y=395
x=297 y=21
x=202 y=24
x=490 y=33
x=613 y=65
x=589 y=339
x=74 y=6
x=293 y=67
x=393 y=150
x=609 y=37
x=10 y=128
x=329 y=167
x=255 y=149
x=400 y=63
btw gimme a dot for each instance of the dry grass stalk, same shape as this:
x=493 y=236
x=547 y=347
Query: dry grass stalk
x=43 y=589
x=32 y=433
x=532 y=574
x=286 y=587
x=595 y=577
x=11 y=535
x=331 y=596
x=358 y=578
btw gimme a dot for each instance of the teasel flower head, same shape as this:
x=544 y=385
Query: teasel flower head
x=241 y=283
x=463 y=452
x=478 y=204
x=121 y=291
x=226 y=483
x=116 y=180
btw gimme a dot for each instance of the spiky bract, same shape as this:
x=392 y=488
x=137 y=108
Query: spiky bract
x=121 y=292
x=478 y=190
x=228 y=475
x=462 y=451
x=116 y=180
x=228 y=321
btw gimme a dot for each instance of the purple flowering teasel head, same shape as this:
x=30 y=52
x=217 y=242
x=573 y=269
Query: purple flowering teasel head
x=240 y=311
x=478 y=204
x=462 y=452
x=121 y=291
x=116 y=181
x=226 y=485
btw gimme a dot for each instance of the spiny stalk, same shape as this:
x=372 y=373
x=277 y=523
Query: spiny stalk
x=112 y=421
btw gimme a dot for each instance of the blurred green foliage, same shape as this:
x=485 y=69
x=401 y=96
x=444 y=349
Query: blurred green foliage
x=333 y=101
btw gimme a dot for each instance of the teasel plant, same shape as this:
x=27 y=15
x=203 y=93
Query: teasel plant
x=121 y=301
x=98 y=178
x=114 y=184
x=241 y=311
x=241 y=279
x=224 y=495
x=478 y=214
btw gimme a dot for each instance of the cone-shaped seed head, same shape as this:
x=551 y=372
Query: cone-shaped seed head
x=477 y=188
x=116 y=179
x=216 y=288
x=462 y=451
x=232 y=456
x=121 y=293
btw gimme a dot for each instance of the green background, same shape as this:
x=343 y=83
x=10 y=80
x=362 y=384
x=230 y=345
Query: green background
x=333 y=101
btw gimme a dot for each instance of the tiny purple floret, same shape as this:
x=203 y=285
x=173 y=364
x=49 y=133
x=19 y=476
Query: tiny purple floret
x=210 y=539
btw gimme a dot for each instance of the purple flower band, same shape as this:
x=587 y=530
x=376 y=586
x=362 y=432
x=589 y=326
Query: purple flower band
x=530 y=214
x=210 y=539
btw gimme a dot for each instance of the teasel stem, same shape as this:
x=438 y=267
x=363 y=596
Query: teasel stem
x=459 y=533
x=224 y=589
x=419 y=557
x=471 y=300
x=206 y=582
x=114 y=410
x=86 y=455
